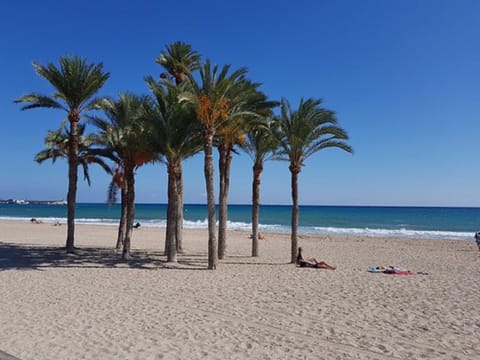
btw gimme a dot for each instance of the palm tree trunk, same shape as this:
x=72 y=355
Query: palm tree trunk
x=209 y=173
x=172 y=208
x=294 y=240
x=72 y=180
x=223 y=165
x=257 y=171
x=179 y=223
x=130 y=183
x=122 y=227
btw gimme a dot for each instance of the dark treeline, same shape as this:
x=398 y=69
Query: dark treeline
x=193 y=106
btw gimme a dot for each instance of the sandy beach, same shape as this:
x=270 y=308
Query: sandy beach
x=94 y=306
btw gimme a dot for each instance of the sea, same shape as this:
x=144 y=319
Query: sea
x=455 y=223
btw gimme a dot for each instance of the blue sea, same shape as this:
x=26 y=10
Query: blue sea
x=412 y=222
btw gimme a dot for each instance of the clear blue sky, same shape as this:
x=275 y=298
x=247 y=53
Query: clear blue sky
x=403 y=77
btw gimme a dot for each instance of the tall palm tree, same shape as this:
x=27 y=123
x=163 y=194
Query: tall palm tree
x=301 y=133
x=123 y=134
x=228 y=137
x=75 y=82
x=180 y=60
x=247 y=105
x=260 y=144
x=211 y=100
x=175 y=134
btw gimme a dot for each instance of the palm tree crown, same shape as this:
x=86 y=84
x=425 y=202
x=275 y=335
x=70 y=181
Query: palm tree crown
x=125 y=124
x=179 y=59
x=56 y=143
x=307 y=130
x=75 y=82
x=176 y=133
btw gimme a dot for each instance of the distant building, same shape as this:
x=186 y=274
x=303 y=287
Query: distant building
x=14 y=201
x=33 y=202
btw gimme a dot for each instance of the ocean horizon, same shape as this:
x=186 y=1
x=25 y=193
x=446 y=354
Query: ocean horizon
x=455 y=223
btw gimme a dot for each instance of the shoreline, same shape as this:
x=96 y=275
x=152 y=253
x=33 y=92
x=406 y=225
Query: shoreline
x=92 y=305
x=274 y=229
x=63 y=203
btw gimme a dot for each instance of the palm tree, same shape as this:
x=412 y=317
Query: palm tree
x=260 y=144
x=228 y=137
x=179 y=59
x=123 y=135
x=211 y=100
x=301 y=133
x=175 y=135
x=75 y=83
x=245 y=108
x=57 y=147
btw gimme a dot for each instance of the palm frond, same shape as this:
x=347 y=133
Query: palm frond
x=86 y=174
x=48 y=154
x=38 y=101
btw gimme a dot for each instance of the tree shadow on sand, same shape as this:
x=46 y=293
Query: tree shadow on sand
x=22 y=257
x=5 y=356
x=16 y=257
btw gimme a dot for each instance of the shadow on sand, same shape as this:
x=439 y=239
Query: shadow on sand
x=18 y=257
x=5 y=356
x=21 y=257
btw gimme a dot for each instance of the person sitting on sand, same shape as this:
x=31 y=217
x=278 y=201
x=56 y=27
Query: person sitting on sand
x=35 y=221
x=137 y=225
x=311 y=262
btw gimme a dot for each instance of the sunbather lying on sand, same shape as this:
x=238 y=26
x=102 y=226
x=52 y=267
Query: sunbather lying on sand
x=312 y=262
x=390 y=270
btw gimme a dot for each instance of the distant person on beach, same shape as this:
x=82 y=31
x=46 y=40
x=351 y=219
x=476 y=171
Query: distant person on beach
x=477 y=239
x=260 y=236
x=35 y=221
x=137 y=225
x=311 y=262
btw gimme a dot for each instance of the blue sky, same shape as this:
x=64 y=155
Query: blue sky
x=403 y=77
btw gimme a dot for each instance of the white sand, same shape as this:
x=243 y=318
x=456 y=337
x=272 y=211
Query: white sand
x=57 y=306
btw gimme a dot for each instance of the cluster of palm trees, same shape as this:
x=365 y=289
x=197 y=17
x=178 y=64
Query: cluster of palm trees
x=192 y=107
